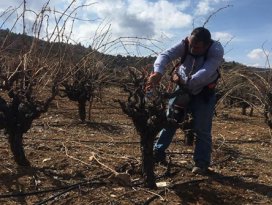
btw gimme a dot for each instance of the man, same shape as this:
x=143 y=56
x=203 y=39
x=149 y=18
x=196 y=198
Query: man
x=200 y=65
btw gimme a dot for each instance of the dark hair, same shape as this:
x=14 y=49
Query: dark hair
x=201 y=34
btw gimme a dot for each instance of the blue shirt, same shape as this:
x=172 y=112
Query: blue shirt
x=202 y=71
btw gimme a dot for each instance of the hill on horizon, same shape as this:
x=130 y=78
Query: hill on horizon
x=18 y=44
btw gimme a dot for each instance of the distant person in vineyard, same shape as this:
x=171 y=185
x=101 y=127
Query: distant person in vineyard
x=200 y=58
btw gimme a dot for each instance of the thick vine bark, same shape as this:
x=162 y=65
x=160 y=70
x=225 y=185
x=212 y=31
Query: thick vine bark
x=147 y=126
x=15 y=139
x=147 y=142
x=148 y=118
x=16 y=118
x=79 y=93
x=82 y=109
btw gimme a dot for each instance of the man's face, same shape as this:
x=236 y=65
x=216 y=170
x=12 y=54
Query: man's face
x=197 y=47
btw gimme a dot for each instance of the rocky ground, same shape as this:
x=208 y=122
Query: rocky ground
x=86 y=163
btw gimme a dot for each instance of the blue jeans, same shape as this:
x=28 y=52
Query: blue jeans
x=202 y=110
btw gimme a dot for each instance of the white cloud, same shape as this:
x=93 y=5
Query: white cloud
x=205 y=7
x=127 y=18
x=163 y=14
x=256 y=54
x=142 y=18
x=260 y=58
x=223 y=37
x=13 y=9
x=254 y=65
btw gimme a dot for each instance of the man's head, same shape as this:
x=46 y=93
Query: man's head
x=199 y=41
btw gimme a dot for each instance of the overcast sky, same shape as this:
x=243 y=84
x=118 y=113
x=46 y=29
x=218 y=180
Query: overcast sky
x=244 y=27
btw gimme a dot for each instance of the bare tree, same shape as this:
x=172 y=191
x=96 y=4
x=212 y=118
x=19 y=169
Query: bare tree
x=30 y=72
x=148 y=120
x=21 y=101
x=87 y=82
x=148 y=116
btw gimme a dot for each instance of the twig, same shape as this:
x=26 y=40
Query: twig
x=151 y=192
x=74 y=158
x=102 y=152
x=7 y=169
x=148 y=201
x=210 y=16
x=122 y=179
x=266 y=53
x=224 y=140
x=102 y=164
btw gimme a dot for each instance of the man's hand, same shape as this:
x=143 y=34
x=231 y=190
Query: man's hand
x=153 y=80
x=176 y=78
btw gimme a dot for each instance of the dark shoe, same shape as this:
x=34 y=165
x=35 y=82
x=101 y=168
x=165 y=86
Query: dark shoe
x=200 y=170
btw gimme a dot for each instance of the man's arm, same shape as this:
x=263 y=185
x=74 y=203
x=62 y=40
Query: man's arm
x=167 y=56
x=161 y=62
